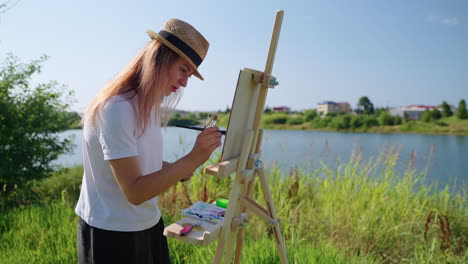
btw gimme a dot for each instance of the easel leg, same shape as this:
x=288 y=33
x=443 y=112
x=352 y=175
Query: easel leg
x=240 y=234
x=225 y=230
x=271 y=208
x=234 y=234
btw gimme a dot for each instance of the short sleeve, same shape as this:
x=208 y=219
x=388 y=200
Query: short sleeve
x=117 y=129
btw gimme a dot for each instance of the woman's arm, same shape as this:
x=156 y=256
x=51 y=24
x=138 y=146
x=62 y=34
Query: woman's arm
x=139 y=189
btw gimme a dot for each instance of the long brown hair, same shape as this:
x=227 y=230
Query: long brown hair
x=147 y=76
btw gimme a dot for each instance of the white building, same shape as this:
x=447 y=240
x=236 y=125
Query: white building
x=415 y=112
x=332 y=107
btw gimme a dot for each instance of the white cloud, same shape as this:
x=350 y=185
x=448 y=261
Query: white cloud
x=450 y=21
x=443 y=20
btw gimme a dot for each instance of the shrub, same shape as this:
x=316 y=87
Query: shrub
x=310 y=115
x=31 y=119
x=356 y=121
x=385 y=119
x=370 y=120
x=441 y=123
x=295 y=120
x=398 y=120
x=340 y=122
x=320 y=122
x=436 y=114
x=277 y=119
x=427 y=116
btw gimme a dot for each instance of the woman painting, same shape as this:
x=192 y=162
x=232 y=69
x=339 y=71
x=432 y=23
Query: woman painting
x=119 y=217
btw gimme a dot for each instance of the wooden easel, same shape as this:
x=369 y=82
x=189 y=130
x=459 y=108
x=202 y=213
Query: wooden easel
x=241 y=155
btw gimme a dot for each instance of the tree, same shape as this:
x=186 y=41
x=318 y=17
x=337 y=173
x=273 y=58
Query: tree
x=436 y=114
x=365 y=105
x=203 y=115
x=385 y=119
x=30 y=120
x=461 y=111
x=446 y=111
x=426 y=116
x=310 y=114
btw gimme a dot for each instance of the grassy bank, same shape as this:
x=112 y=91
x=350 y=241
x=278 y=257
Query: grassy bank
x=361 y=212
x=447 y=126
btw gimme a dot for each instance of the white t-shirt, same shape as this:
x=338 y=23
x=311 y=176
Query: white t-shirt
x=115 y=135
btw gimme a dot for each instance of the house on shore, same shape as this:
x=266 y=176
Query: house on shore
x=326 y=107
x=281 y=109
x=415 y=112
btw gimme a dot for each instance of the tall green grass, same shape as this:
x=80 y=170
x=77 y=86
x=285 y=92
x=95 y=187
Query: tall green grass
x=38 y=234
x=359 y=212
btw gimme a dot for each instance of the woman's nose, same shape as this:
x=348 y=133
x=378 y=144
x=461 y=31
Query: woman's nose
x=183 y=81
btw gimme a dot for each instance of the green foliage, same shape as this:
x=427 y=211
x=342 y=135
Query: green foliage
x=385 y=119
x=461 y=111
x=370 y=121
x=365 y=105
x=275 y=118
x=441 y=123
x=310 y=114
x=191 y=116
x=426 y=116
x=182 y=121
x=340 y=122
x=203 y=115
x=30 y=120
x=321 y=122
x=398 y=120
x=356 y=121
x=446 y=111
x=436 y=114
x=295 y=120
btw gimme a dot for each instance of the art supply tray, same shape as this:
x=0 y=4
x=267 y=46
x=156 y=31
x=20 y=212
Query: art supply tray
x=202 y=235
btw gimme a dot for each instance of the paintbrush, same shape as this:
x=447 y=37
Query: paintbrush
x=223 y=132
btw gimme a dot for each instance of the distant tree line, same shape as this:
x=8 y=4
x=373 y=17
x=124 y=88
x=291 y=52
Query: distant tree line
x=435 y=115
x=365 y=116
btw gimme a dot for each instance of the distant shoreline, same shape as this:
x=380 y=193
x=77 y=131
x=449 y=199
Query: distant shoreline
x=448 y=131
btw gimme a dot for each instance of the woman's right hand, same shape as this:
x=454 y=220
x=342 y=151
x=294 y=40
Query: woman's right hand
x=207 y=141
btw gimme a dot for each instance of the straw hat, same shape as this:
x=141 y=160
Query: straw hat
x=185 y=40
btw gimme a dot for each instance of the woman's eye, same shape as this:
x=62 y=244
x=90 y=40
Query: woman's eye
x=183 y=70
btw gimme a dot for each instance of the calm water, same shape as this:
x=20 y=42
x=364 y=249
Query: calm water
x=444 y=157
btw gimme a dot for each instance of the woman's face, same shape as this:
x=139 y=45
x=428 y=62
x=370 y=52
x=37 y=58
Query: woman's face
x=179 y=72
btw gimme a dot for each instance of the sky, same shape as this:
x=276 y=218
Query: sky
x=395 y=52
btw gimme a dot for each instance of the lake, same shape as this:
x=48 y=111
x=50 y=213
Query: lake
x=444 y=157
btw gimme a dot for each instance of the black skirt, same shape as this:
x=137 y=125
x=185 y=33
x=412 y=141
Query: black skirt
x=102 y=246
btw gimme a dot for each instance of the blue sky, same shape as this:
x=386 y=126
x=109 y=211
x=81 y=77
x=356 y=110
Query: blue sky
x=395 y=52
